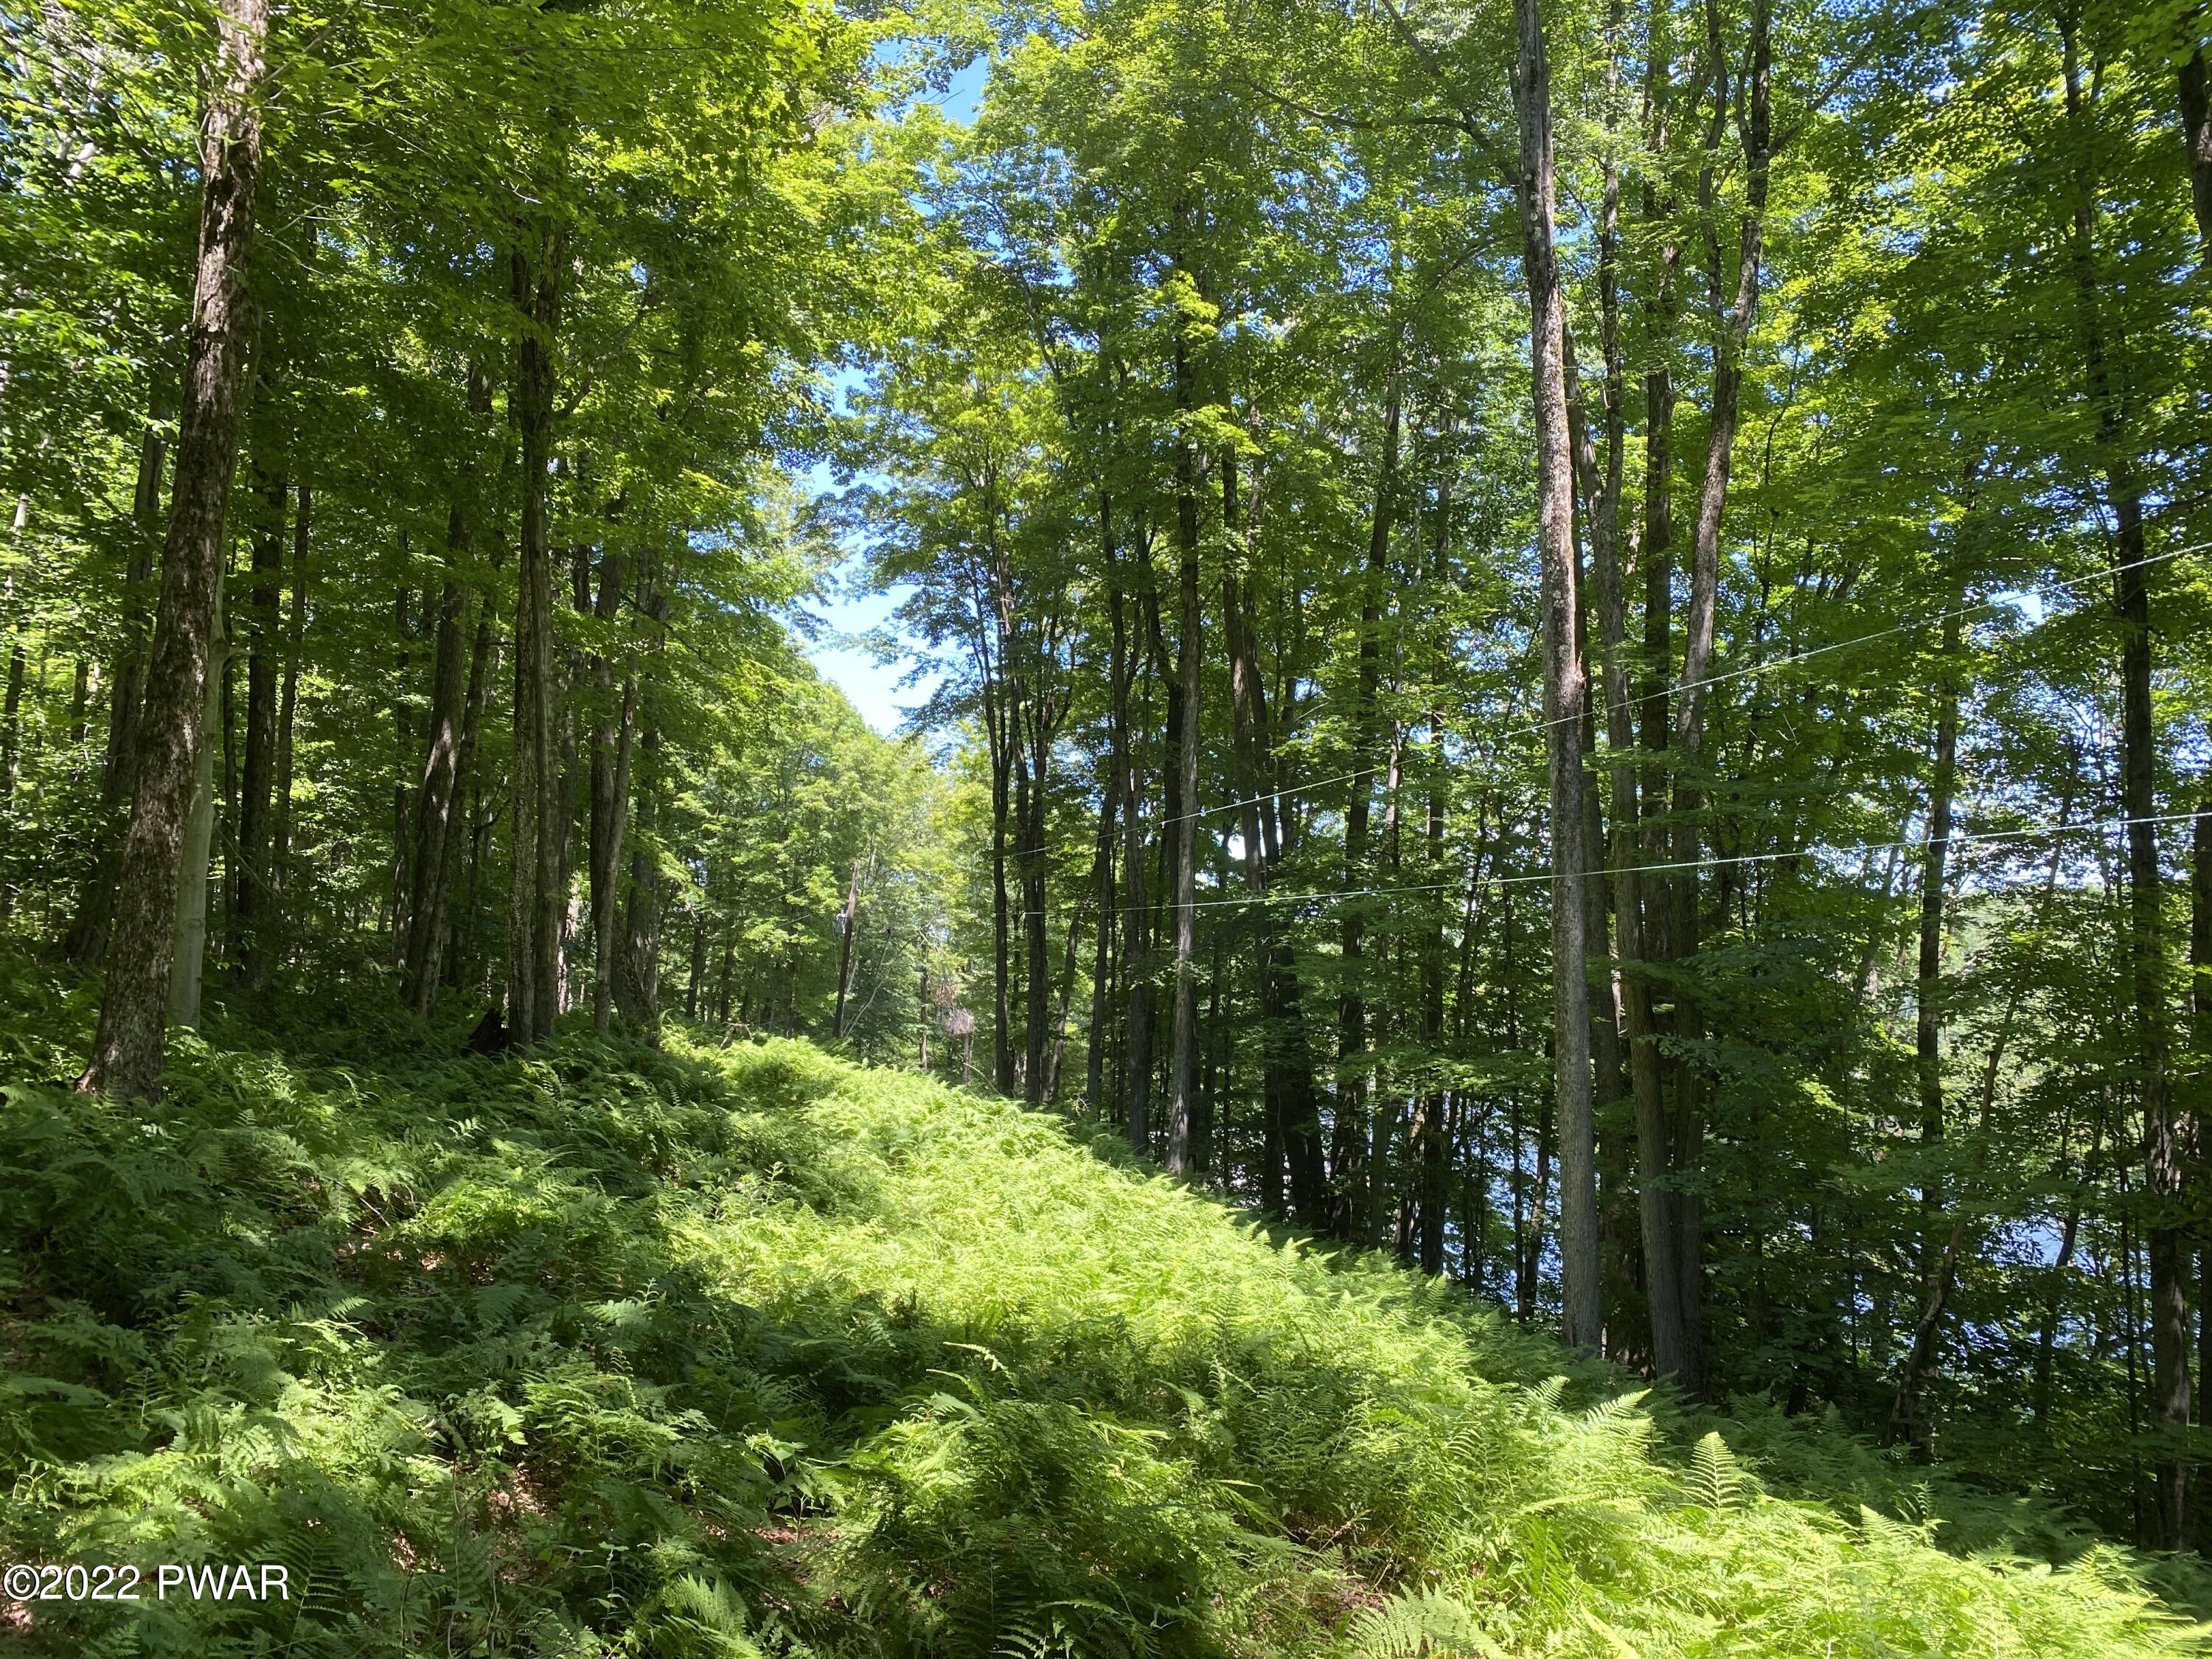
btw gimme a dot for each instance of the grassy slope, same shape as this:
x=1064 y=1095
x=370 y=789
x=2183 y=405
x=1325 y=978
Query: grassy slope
x=706 y=1352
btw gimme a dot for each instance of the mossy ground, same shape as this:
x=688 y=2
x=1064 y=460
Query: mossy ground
x=713 y=1351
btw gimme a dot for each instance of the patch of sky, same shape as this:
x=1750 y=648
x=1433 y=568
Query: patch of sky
x=849 y=628
x=860 y=647
x=855 y=639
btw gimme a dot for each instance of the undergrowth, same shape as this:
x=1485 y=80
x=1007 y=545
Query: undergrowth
x=705 y=1352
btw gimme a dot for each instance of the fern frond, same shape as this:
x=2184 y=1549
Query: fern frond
x=1715 y=1479
x=1420 y=1624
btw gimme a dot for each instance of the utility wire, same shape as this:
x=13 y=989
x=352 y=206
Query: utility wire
x=1746 y=671
x=2033 y=833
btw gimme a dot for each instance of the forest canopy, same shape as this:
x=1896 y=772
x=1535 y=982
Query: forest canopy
x=1562 y=638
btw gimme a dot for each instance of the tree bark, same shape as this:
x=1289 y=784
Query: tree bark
x=295 y=635
x=1000 y=730
x=1185 y=1152
x=2196 y=135
x=437 y=800
x=2165 y=1229
x=572 y=782
x=1351 y=1083
x=11 y=705
x=1290 y=1131
x=535 y=899
x=1038 y=708
x=1431 y=1147
x=1597 y=500
x=637 y=978
x=846 y=922
x=1732 y=321
x=403 y=758
x=1937 y=1261
x=1563 y=695
x=614 y=738
x=1137 y=1022
x=87 y=940
x=1060 y=1020
x=1094 y=1086
x=2200 y=1047
x=696 y=974
x=465 y=839
x=1640 y=833
x=126 y=1051
x=188 y=963
x=251 y=902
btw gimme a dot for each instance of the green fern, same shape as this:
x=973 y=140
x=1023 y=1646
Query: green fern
x=1420 y=1624
x=697 y=1352
x=1715 y=1479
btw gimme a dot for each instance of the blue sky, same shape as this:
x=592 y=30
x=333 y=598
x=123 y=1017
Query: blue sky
x=871 y=686
x=853 y=609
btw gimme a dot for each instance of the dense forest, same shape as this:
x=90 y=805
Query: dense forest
x=1564 y=638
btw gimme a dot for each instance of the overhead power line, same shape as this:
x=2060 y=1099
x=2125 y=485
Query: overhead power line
x=1747 y=670
x=2034 y=832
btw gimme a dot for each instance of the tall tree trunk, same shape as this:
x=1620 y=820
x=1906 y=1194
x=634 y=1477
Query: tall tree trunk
x=614 y=738
x=1159 y=925
x=1060 y=1020
x=1247 y=700
x=1290 y=1131
x=1937 y=1260
x=696 y=974
x=1186 y=1153
x=438 y=798
x=637 y=973
x=2165 y=1228
x=1640 y=837
x=1563 y=695
x=1031 y=808
x=1656 y=1231
x=535 y=899
x=1137 y=1023
x=188 y=963
x=572 y=783
x=435 y=798
x=14 y=603
x=846 y=922
x=87 y=940
x=464 y=838
x=402 y=758
x=1604 y=495
x=287 y=707
x=1597 y=494
x=1432 y=1144
x=2200 y=1054
x=2196 y=135
x=1000 y=729
x=637 y=978
x=1094 y=1084
x=1350 y=1130
x=1732 y=319
x=126 y=1049
x=251 y=903
x=227 y=803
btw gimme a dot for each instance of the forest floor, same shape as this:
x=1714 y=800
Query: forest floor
x=729 y=1349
